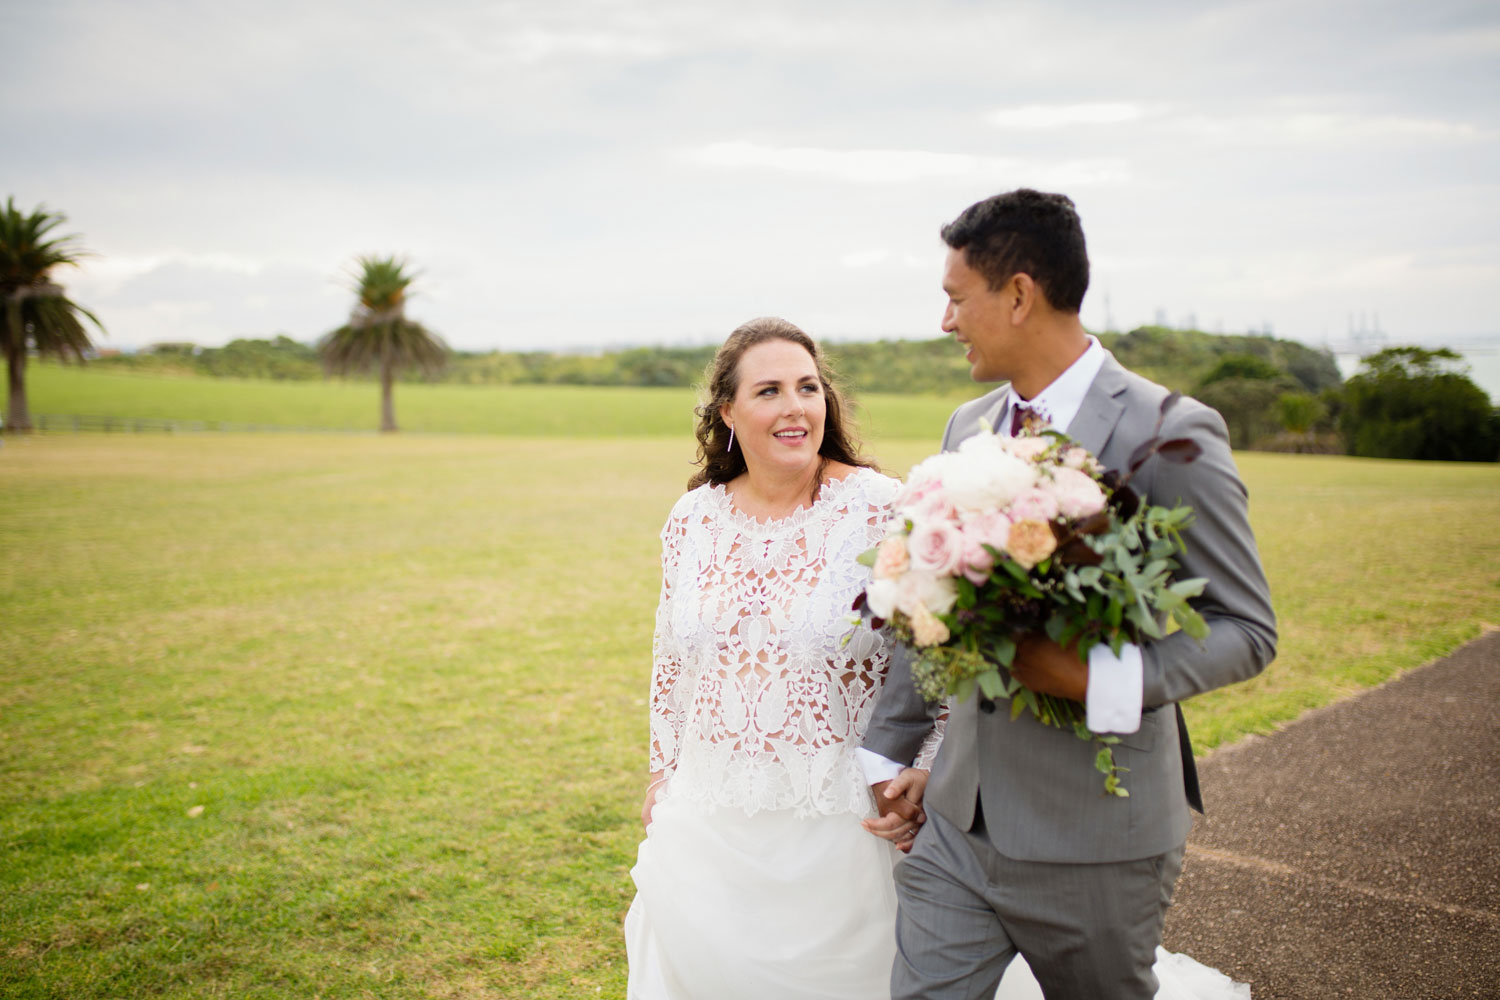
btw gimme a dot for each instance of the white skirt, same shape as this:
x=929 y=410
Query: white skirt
x=736 y=907
x=732 y=906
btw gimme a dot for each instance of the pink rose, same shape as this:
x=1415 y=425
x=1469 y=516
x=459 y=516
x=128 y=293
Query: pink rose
x=977 y=563
x=991 y=529
x=1077 y=494
x=1079 y=458
x=935 y=547
x=924 y=498
x=934 y=505
x=1030 y=542
x=915 y=492
x=1033 y=504
x=1029 y=448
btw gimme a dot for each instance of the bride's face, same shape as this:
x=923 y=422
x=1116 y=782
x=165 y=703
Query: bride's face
x=778 y=409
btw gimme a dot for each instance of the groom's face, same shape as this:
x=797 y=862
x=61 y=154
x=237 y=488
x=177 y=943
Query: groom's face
x=982 y=319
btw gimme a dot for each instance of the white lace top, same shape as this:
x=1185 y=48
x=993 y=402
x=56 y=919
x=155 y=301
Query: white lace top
x=763 y=685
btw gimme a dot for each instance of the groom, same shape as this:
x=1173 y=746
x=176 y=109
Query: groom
x=1021 y=851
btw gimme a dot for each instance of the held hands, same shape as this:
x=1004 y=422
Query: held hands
x=1048 y=668
x=899 y=802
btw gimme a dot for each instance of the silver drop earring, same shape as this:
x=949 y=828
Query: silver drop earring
x=730 y=446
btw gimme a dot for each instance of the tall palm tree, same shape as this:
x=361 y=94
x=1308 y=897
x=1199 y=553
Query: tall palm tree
x=34 y=312
x=378 y=334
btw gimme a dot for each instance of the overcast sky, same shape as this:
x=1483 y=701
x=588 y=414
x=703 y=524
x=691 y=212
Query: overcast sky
x=584 y=172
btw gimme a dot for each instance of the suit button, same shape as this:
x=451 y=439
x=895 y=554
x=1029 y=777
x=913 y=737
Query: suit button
x=986 y=706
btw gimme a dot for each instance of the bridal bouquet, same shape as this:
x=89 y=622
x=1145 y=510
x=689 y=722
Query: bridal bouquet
x=1029 y=534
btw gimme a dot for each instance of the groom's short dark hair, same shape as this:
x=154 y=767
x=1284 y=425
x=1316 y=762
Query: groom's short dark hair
x=1026 y=231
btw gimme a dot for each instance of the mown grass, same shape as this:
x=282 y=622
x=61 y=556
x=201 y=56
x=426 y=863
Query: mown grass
x=404 y=678
x=334 y=404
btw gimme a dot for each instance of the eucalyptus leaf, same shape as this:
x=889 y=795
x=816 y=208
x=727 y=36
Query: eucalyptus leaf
x=991 y=684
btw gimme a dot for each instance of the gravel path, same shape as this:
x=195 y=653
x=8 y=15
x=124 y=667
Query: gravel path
x=1357 y=851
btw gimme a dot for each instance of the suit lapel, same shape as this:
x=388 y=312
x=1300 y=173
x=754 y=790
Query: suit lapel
x=993 y=413
x=1101 y=409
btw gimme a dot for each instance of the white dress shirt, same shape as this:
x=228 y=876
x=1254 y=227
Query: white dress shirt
x=1115 y=686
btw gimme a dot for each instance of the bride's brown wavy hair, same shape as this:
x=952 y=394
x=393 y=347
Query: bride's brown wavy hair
x=716 y=463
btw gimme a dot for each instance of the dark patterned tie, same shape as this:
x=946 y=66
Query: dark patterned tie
x=1025 y=418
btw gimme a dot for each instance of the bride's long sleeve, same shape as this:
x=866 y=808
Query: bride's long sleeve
x=933 y=740
x=671 y=699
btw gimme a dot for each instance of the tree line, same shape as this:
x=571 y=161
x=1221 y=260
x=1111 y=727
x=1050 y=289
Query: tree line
x=1405 y=402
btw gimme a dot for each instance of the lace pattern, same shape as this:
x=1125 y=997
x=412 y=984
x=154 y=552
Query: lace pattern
x=762 y=685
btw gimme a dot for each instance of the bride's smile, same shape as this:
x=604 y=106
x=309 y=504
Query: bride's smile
x=778 y=413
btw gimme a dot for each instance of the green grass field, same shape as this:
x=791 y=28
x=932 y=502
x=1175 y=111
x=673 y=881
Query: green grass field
x=532 y=410
x=363 y=716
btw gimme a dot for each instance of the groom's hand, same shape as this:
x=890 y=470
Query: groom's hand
x=1048 y=668
x=899 y=802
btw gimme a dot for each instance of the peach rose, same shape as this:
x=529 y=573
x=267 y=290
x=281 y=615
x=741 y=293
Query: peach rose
x=1030 y=542
x=891 y=559
x=927 y=629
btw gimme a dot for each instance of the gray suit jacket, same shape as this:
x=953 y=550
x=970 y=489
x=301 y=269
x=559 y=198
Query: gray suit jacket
x=1043 y=799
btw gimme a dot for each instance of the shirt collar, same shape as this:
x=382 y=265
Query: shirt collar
x=1061 y=400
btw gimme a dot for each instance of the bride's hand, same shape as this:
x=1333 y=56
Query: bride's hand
x=658 y=782
x=899 y=802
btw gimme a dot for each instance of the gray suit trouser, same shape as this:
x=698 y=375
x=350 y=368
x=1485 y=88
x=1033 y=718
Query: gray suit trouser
x=1088 y=931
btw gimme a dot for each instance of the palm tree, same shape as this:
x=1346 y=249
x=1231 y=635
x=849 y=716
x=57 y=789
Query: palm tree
x=35 y=313
x=378 y=333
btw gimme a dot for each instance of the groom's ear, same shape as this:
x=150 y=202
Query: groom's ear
x=1020 y=295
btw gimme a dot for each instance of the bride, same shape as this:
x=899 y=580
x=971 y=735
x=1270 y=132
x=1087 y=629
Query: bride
x=756 y=878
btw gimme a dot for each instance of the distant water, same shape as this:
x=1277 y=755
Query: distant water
x=1483 y=361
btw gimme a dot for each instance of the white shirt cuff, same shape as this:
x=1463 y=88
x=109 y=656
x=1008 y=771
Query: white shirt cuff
x=1116 y=686
x=876 y=767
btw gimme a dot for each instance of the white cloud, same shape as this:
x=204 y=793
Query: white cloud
x=864 y=166
x=1255 y=161
x=535 y=44
x=1319 y=128
x=896 y=166
x=1054 y=116
x=865 y=258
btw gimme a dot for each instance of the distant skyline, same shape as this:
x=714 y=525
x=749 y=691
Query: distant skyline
x=600 y=172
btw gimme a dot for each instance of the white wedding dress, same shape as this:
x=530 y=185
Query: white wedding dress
x=756 y=879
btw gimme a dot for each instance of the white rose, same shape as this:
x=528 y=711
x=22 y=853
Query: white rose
x=987 y=480
x=881 y=596
x=925 y=590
